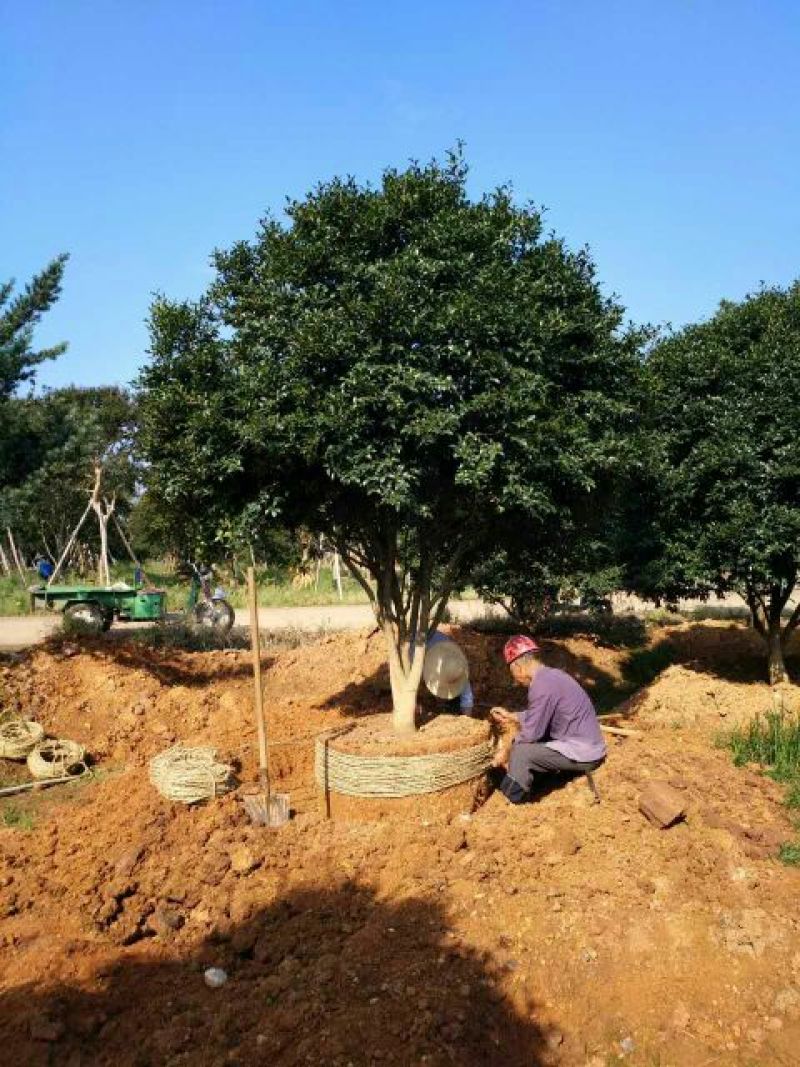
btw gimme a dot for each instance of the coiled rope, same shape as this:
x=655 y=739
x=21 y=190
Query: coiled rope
x=57 y=758
x=18 y=736
x=396 y=776
x=189 y=775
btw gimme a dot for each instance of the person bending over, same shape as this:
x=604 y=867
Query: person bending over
x=558 y=730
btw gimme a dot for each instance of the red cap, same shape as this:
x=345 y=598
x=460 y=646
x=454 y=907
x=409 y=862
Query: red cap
x=517 y=646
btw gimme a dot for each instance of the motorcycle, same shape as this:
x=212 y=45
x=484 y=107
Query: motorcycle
x=207 y=604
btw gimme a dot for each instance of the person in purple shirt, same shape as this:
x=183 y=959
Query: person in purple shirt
x=558 y=730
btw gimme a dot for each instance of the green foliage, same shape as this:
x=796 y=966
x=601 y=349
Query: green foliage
x=18 y=318
x=725 y=468
x=48 y=447
x=399 y=368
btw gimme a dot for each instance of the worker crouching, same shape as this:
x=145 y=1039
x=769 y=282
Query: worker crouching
x=558 y=731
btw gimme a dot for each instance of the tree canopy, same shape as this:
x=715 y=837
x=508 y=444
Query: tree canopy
x=401 y=368
x=726 y=466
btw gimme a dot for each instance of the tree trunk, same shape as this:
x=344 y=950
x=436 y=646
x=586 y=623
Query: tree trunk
x=404 y=703
x=405 y=676
x=102 y=563
x=777 y=667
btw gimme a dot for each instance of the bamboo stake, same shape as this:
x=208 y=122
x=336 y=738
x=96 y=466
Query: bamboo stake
x=126 y=542
x=43 y=783
x=70 y=543
x=15 y=554
x=337 y=574
x=3 y=560
x=261 y=723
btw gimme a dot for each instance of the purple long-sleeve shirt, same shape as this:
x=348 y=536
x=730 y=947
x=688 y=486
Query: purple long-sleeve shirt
x=560 y=714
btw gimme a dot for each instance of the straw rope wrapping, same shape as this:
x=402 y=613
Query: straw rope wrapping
x=189 y=775
x=56 y=759
x=396 y=776
x=18 y=737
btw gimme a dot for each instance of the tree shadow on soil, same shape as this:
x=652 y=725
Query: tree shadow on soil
x=730 y=652
x=330 y=977
x=489 y=677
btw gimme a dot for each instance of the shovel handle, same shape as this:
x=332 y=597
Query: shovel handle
x=258 y=692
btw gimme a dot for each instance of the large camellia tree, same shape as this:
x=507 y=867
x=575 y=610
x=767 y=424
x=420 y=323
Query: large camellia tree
x=724 y=508
x=402 y=368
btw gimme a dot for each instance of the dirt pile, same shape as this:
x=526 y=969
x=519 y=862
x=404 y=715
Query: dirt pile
x=560 y=932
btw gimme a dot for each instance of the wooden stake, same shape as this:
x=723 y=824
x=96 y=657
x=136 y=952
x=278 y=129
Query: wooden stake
x=70 y=543
x=337 y=574
x=619 y=732
x=126 y=542
x=3 y=560
x=15 y=554
x=261 y=723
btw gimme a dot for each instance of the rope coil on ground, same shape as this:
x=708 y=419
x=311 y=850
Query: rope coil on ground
x=18 y=736
x=56 y=758
x=396 y=776
x=189 y=775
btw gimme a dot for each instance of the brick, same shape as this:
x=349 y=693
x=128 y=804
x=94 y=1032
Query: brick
x=661 y=804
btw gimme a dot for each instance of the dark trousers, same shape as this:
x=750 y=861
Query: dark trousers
x=529 y=759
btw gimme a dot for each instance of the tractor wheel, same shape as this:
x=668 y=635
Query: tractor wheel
x=215 y=614
x=87 y=615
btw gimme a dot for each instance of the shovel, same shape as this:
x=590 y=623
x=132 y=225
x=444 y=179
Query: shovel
x=263 y=807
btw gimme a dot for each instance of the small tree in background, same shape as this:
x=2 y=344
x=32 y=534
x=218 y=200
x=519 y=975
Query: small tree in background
x=531 y=569
x=400 y=368
x=48 y=451
x=18 y=318
x=726 y=464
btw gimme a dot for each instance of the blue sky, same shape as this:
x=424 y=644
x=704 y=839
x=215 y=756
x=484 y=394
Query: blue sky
x=140 y=136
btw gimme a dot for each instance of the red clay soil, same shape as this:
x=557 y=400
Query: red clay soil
x=559 y=932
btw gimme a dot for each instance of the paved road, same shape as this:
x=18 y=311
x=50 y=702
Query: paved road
x=18 y=632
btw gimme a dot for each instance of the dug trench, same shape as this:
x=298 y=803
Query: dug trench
x=561 y=932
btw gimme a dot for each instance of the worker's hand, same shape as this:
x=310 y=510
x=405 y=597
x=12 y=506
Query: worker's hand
x=503 y=717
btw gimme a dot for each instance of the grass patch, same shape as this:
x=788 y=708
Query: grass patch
x=790 y=853
x=773 y=740
x=15 y=818
x=14 y=599
x=186 y=637
x=663 y=617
